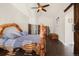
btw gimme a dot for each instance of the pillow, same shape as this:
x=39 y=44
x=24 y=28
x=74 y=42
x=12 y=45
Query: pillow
x=11 y=33
x=16 y=34
x=24 y=33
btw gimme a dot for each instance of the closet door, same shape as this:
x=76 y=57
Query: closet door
x=69 y=32
x=76 y=28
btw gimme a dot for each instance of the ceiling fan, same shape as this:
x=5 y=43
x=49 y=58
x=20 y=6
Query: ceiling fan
x=40 y=7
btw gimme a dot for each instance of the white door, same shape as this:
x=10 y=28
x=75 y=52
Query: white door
x=69 y=32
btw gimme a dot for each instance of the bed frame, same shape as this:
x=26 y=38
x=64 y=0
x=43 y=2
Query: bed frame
x=4 y=26
x=41 y=48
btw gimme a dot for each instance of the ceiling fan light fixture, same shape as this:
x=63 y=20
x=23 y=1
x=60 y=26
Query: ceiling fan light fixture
x=40 y=8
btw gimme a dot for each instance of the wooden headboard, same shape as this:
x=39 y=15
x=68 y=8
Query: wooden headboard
x=4 y=26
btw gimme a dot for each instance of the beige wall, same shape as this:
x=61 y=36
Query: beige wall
x=60 y=27
x=10 y=14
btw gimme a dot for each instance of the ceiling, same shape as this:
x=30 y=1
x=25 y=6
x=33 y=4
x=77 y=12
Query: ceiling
x=26 y=9
x=52 y=10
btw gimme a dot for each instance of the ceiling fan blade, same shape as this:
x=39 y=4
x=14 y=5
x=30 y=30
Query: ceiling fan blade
x=46 y=5
x=38 y=10
x=38 y=4
x=44 y=10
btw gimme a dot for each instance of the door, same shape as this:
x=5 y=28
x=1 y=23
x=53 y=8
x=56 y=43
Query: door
x=76 y=28
x=69 y=33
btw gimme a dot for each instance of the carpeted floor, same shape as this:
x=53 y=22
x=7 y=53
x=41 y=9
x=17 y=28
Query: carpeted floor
x=56 y=48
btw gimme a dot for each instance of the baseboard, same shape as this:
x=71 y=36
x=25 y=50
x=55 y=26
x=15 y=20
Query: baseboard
x=66 y=44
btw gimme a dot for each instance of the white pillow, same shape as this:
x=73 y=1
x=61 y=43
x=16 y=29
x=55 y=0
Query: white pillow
x=15 y=34
x=11 y=33
x=24 y=33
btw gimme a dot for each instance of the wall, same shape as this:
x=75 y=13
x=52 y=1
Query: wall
x=60 y=27
x=26 y=9
x=10 y=14
x=46 y=20
x=60 y=24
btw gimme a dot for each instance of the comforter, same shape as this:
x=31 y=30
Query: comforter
x=20 y=41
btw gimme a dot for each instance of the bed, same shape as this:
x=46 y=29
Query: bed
x=22 y=39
